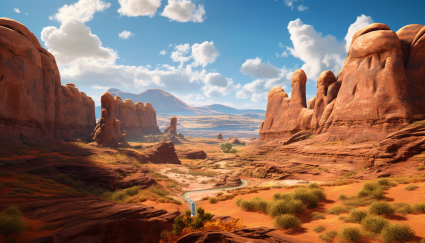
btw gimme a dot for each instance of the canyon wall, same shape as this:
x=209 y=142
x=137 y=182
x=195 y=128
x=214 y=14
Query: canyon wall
x=137 y=119
x=378 y=91
x=33 y=103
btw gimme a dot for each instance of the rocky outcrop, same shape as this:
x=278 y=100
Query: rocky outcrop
x=107 y=131
x=34 y=104
x=199 y=154
x=138 y=119
x=219 y=136
x=252 y=235
x=90 y=219
x=172 y=128
x=160 y=153
x=378 y=91
x=229 y=181
x=233 y=140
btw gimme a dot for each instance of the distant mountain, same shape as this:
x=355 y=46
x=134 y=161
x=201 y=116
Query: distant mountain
x=166 y=103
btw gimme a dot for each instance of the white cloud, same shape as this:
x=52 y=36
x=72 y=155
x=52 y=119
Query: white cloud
x=17 y=10
x=125 y=34
x=256 y=69
x=216 y=85
x=361 y=22
x=74 y=41
x=318 y=52
x=179 y=55
x=163 y=52
x=199 y=97
x=134 y=8
x=81 y=11
x=302 y=8
x=290 y=3
x=184 y=11
x=204 y=53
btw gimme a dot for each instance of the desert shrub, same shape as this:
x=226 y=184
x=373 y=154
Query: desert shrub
x=357 y=215
x=374 y=223
x=233 y=151
x=381 y=208
x=385 y=182
x=317 y=215
x=205 y=198
x=319 y=193
x=212 y=200
x=397 y=233
x=12 y=222
x=239 y=201
x=280 y=207
x=314 y=185
x=260 y=204
x=328 y=236
x=411 y=187
x=403 y=208
x=286 y=221
x=342 y=197
x=419 y=207
x=337 y=210
x=319 y=228
x=181 y=135
x=350 y=233
x=203 y=182
x=247 y=205
x=281 y=196
x=219 y=194
x=131 y=191
x=307 y=197
x=226 y=147
x=421 y=167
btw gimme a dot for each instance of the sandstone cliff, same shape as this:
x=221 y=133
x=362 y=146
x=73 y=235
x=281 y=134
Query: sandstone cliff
x=378 y=91
x=33 y=103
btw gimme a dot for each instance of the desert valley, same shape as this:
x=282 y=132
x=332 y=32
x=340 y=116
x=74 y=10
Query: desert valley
x=347 y=165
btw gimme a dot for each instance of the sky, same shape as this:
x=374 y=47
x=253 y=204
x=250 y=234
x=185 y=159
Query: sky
x=229 y=52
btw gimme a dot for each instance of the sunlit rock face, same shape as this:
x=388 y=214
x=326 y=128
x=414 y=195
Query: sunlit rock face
x=33 y=103
x=379 y=90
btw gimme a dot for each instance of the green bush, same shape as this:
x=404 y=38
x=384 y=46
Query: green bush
x=226 y=147
x=380 y=208
x=328 y=236
x=260 y=204
x=374 y=223
x=307 y=197
x=317 y=215
x=319 y=193
x=279 y=207
x=239 y=201
x=397 y=233
x=342 y=197
x=212 y=200
x=233 y=151
x=281 y=196
x=247 y=205
x=350 y=233
x=337 y=210
x=314 y=185
x=286 y=221
x=411 y=187
x=403 y=208
x=319 y=228
x=12 y=222
x=356 y=215
x=385 y=182
x=419 y=207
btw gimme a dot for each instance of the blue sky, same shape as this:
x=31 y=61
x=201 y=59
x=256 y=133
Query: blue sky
x=229 y=52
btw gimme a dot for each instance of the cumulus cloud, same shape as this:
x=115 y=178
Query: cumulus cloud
x=290 y=3
x=204 y=53
x=257 y=69
x=17 y=10
x=134 y=8
x=180 y=54
x=217 y=85
x=361 y=22
x=184 y=11
x=81 y=11
x=163 y=52
x=74 y=41
x=302 y=8
x=318 y=52
x=125 y=34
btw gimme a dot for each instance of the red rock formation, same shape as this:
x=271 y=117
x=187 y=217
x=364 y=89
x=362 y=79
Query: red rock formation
x=162 y=153
x=199 y=154
x=325 y=79
x=311 y=102
x=219 y=136
x=229 y=181
x=172 y=128
x=135 y=118
x=34 y=105
x=107 y=132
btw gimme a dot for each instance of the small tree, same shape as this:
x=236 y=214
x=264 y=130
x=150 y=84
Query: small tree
x=226 y=147
x=11 y=222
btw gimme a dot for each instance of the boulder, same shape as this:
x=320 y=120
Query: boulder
x=172 y=128
x=162 y=153
x=229 y=181
x=234 y=141
x=199 y=154
x=219 y=136
x=35 y=106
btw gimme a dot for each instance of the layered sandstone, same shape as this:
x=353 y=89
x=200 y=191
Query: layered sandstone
x=107 y=131
x=138 y=119
x=172 y=128
x=33 y=103
x=378 y=91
